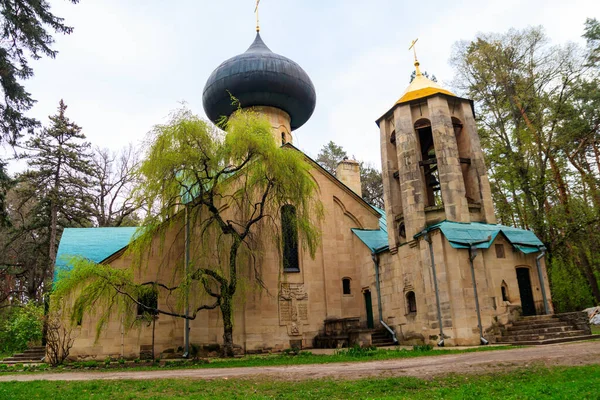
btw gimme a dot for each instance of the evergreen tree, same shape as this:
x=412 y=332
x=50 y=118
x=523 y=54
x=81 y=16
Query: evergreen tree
x=5 y=183
x=330 y=156
x=24 y=36
x=370 y=178
x=59 y=178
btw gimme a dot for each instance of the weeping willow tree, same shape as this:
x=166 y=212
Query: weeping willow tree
x=224 y=192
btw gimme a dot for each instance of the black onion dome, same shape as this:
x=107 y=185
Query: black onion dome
x=260 y=77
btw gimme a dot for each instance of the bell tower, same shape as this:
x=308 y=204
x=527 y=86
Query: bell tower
x=433 y=165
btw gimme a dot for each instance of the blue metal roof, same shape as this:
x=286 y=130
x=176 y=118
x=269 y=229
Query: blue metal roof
x=95 y=244
x=461 y=235
x=375 y=239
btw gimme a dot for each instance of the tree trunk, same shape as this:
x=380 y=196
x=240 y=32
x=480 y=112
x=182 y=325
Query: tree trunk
x=54 y=218
x=226 y=311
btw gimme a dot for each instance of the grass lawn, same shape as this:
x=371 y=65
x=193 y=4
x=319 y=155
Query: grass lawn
x=344 y=355
x=529 y=383
x=596 y=329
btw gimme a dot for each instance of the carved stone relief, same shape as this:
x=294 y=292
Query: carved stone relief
x=293 y=307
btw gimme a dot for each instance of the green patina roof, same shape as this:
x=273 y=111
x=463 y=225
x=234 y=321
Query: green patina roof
x=375 y=239
x=95 y=244
x=461 y=235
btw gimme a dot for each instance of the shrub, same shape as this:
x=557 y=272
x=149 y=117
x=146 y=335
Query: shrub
x=90 y=364
x=358 y=351
x=422 y=347
x=22 y=327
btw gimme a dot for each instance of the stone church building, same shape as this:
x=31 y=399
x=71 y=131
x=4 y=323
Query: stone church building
x=433 y=267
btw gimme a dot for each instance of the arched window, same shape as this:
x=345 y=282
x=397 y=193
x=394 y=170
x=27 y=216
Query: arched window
x=411 y=302
x=504 y=288
x=289 y=236
x=428 y=162
x=346 y=286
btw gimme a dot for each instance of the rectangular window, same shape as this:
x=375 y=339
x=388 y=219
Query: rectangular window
x=346 y=286
x=289 y=233
x=149 y=299
x=500 y=251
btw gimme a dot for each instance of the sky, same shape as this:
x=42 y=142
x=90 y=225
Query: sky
x=128 y=64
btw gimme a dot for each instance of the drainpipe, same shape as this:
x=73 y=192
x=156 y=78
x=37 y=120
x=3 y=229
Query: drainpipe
x=472 y=255
x=186 y=333
x=378 y=288
x=541 y=278
x=427 y=238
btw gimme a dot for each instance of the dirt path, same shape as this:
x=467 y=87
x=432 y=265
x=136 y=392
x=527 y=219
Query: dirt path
x=467 y=363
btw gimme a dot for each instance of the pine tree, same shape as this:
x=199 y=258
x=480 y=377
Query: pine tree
x=60 y=177
x=23 y=36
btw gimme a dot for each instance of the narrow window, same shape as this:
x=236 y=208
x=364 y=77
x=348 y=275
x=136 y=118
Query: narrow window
x=433 y=196
x=504 y=288
x=346 y=286
x=282 y=138
x=500 y=251
x=149 y=299
x=289 y=235
x=411 y=302
x=402 y=230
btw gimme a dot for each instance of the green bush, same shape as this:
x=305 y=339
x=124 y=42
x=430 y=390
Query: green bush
x=21 y=327
x=422 y=347
x=358 y=351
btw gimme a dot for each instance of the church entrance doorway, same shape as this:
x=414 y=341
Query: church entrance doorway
x=369 y=306
x=525 y=291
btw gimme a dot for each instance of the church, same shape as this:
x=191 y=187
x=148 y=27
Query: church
x=432 y=267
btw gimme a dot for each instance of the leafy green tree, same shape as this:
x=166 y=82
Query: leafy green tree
x=59 y=177
x=21 y=327
x=538 y=121
x=232 y=190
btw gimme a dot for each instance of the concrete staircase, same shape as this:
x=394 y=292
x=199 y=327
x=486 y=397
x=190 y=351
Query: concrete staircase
x=382 y=338
x=544 y=329
x=29 y=356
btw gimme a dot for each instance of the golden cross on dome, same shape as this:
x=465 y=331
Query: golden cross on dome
x=256 y=12
x=414 y=49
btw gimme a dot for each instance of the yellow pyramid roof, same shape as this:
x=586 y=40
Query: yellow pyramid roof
x=421 y=87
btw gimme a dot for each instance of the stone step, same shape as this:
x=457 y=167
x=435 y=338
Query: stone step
x=9 y=361
x=554 y=341
x=540 y=331
x=22 y=357
x=35 y=351
x=515 y=327
x=386 y=340
x=537 y=337
x=28 y=356
x=536 y=321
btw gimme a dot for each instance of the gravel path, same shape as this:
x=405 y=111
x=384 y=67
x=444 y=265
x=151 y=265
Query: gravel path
x=567 y=354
